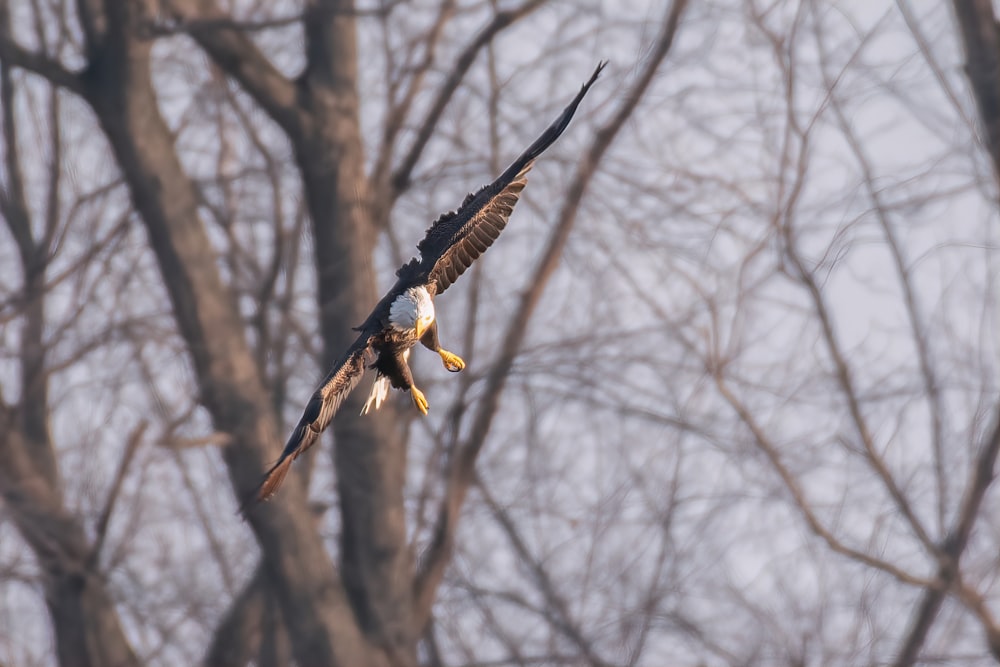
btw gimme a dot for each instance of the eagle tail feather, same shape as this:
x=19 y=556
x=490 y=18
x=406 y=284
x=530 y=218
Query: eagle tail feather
x=275 y=476
x=379 y=392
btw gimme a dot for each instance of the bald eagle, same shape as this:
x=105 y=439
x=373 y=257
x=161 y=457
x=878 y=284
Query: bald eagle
x=405 y=315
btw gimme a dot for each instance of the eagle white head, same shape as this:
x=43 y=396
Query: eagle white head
x=413 y=309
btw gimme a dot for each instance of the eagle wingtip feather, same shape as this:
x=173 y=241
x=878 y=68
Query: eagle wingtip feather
x=273 y=480
x=276 y=475
x=597 y=72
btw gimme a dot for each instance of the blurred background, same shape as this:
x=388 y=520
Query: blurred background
x=732 y=384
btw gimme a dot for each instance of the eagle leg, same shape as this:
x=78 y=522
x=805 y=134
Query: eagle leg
x=399 y=373
x=452 y=361
x=418 y=399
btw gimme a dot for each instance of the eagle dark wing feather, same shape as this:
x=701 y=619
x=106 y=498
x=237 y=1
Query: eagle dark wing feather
x=479 y=234
x=457 y=239
x=451 y=245
x=320 y=410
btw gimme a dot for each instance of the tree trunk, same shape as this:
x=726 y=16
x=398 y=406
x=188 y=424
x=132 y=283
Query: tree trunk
x=370 y=456
x=119 y=88
x=319 y=112
x=85 y=624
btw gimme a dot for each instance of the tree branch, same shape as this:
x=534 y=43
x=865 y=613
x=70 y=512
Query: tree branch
x=978 y=26
x=462 y=469
x=918 y=327
x=232 y=50
x=844 y=374
x=104 y=518
x=561 y=617
x=182 y=26
x=13 y=54
x=13 y=205
x=981 y=477
x=320 y=621
x=237 y=636
x=766 y=445
x=398 y=111
x=401 y=176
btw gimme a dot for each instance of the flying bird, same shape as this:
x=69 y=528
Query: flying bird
x=405 y=315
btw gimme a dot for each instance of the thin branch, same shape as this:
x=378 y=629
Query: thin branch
x=401 y=176
x=188 y=26
x=563 y=619
x=845 y=380
x=53 y=208
x=182 y=26
x=205 y=518
x=462 y=467
x=930 y=57
x=918 y=328
x=769 y=449
x=782 y=221
x=14 y=55
x=13 y=205
x=398 y=111
x=978 y=26
x=982 y=475
x=235 y=53
x=93 y=21
x=976 y=604
x=104 y=518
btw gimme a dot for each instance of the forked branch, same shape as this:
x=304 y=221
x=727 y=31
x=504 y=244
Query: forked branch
x=462 y=468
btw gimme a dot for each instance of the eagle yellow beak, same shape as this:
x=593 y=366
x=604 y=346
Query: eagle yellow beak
x=421 y=328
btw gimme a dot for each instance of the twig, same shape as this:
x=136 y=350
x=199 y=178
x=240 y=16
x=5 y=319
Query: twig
x=101 y=529
x=461 y=471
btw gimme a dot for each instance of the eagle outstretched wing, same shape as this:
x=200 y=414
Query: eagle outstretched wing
x=320 y=410
x=457 y=239
x=450 y=246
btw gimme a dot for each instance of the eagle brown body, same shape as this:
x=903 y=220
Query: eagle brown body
x=405 y=315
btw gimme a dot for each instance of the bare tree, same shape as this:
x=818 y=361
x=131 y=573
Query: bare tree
x=372 y=607
x=731 y=391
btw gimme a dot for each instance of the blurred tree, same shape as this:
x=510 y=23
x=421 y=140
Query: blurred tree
x=732 y=385
x=372 y=608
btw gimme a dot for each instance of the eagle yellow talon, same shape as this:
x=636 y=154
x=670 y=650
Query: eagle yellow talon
x=452 y=362
x=419 y=400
